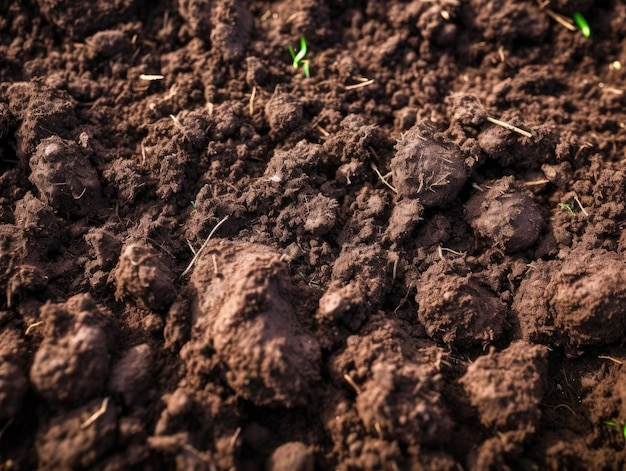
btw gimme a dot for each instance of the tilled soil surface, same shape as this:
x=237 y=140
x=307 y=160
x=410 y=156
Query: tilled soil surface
x=415 y=258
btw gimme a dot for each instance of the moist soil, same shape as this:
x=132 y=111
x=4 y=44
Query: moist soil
x=209 y=260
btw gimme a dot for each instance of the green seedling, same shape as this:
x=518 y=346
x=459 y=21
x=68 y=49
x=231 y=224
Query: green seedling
x=312 y=284
x=568 y=207
x=615 y=425
x=580 y=21
x=298 y=58
x=193 y=205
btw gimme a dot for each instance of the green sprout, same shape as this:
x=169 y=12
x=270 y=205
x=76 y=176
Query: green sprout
x=580 y=21
x=610 y=423
x=312 y=284
x=568 y=207
x=193 y=205
x=298 y=57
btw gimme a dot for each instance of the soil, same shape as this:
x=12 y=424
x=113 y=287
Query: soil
x=209 y=260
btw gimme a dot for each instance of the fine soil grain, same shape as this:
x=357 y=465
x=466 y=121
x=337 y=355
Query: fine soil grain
x=406 y=253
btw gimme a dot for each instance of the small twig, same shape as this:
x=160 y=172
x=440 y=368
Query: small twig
x=564 y=406
x=537 y=182
x=171 y=93
x=177 y=123
x=81 y=195
x=151 y=77
x=379 y=430
x=478 y=187
x=252 y=97
x=233 y=439
x=440 y=250
x=560 y=19
x=195 y=257
x=215 y=269
x=581 y=206
x=96 y=415
x=193 y=251
x=606 y=357
x=508 y=126
x=30 y=328
x=322 y=131
x=382 y=179
x=359 y=85
x=351 y=382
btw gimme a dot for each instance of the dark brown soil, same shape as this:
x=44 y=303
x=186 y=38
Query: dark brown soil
x=229 y=265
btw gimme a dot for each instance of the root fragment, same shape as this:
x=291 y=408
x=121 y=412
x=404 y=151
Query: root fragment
x=151 y=77
x=252 y=97
x=32 y=327
x=509 y=126
x=96 y=415
x=195 y=257
x=614 y=360
x=382 y=178
x=365 y=83
x=352 y=383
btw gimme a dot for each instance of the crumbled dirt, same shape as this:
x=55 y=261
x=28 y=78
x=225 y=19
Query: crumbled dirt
x=209 y=260
x=505 y=214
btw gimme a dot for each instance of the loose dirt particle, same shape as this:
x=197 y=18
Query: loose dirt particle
x=72 y=363
x=42 y=111
x=13 y=381
x=506 y=214
x=132 y=374
x=588 y=295
x=457 y=309
x=143 y=276
x=404 y=218
x=247 y=313
x=64 y=444
x=322 y=215
x=506 y=387
x=284 y=113
x=291 y=456
x=65 y=178
x=226 y=23
x=426 y=168
x=404 y=405
x=79 y=19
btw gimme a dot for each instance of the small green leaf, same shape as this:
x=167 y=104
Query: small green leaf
x=579 y=19
x=305 y=66
x=298 y=57
x=568 y=207
x=293 y=55
x=301 y=53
